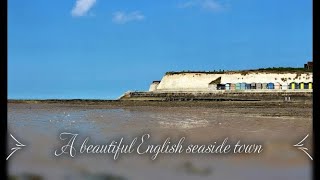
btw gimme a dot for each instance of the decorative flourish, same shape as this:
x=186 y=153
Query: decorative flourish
x=19 y=145
x=300 y=146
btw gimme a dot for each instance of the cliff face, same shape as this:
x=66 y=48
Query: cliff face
x=200 y=81
x=153 y=86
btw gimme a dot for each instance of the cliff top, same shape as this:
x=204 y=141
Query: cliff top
x=265 y=70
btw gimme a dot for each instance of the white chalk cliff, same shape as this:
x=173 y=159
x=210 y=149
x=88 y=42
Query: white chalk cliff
x=199 y=81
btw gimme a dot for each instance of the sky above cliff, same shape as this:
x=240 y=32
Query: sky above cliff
x=99 y=49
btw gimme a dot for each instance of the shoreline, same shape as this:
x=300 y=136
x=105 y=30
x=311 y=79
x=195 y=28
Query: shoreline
x=305 y=101
x=261 y=108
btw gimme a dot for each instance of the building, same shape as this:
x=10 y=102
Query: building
x=309 y=65
x=213 y=85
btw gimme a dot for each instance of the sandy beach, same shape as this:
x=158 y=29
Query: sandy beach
x=276 y=125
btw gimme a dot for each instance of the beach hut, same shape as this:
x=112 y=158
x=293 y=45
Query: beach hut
x=248 y=86
x=310 y=85
x=238 y=86
x=258 y=86
x=284 y=86
x=242 y=86
x=292 y=85
x=264 y=85
x=301 y=85
x=270 y=86
x=253 y=86
x=228 y=86
x=277 y=85
x=232 y=86
x=221 y=87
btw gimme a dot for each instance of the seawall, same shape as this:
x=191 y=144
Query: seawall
x=280 y=95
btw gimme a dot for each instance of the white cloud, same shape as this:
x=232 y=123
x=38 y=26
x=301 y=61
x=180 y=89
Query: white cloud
x=211 y=5
x=82 y=7
x=121 y=17
x=187 y=4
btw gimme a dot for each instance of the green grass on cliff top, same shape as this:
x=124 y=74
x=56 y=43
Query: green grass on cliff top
x=271 y=70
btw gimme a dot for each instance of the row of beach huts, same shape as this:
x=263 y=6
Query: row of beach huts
x=249 y=86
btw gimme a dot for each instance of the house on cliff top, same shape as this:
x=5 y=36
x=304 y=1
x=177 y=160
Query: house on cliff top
x=309 y=65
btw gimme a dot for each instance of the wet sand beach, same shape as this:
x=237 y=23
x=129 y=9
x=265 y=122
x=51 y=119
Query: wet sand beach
x=277 y=125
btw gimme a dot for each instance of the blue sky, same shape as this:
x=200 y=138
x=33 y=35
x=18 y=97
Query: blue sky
x=99 y=49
